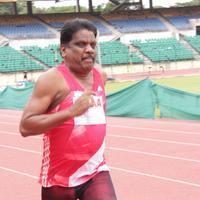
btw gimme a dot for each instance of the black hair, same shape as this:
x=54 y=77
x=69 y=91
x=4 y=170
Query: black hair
x=70 y=27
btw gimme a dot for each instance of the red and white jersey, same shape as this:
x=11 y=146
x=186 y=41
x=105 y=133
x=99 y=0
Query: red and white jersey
x=74 y=151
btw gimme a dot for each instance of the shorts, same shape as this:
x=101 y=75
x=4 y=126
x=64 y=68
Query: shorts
x=100 y=187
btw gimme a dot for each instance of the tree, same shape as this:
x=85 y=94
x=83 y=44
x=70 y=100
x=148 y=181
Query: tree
x=65 y=9
x=108 y=7
x=99 y=8
x=6 y=9
x=22 y=7
x=191 y=3
x=104 y=7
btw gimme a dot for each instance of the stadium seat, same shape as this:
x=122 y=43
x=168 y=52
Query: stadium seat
x=138 y=25
x=166 y=49
x=114 y=53
x=194 y=41
x=13 y=61
x=49 y=55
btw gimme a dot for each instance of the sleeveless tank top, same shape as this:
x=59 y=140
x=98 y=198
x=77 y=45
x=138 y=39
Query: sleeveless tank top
x=74 y=152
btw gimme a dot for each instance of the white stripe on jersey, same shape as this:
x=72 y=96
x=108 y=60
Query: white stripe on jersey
x=89 y=167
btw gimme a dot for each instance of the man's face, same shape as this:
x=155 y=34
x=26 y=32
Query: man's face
x=80 y=53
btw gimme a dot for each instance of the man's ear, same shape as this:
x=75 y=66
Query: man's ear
x=63 y=51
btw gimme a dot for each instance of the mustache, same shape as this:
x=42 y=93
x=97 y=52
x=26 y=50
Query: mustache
x=88 y=57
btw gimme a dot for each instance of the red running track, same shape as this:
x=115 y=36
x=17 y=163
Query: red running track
x=149 y=159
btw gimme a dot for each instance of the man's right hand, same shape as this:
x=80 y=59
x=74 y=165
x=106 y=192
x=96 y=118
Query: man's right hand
x=82 y=104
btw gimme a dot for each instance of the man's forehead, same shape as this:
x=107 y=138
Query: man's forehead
x=83 y=34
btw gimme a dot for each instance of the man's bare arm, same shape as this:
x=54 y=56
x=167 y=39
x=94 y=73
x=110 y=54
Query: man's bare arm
x=34 y=120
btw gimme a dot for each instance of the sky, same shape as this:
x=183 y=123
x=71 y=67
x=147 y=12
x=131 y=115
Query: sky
x=46 y=4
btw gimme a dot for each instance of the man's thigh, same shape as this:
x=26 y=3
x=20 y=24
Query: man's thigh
x=100 y=188
x=58 y=193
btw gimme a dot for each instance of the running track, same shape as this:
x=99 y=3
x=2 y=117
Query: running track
x=149 y=159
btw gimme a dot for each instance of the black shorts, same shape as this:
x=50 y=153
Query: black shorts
x=100 y=187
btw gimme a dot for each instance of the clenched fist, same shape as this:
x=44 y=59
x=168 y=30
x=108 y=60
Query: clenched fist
x=82 y=104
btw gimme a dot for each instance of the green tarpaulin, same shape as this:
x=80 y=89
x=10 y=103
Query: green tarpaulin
x=177 y=104
x=15 y=98
x=135 y=101
x=138 y=100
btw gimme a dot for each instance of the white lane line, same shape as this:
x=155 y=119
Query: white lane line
x=155 y=176
x=134 y=127
x=154 y=140
x=176 y=122
x=118 y=136
x=11 y=115
x=18 y=134
x=118 y=169
x=18 y=172
x=9 y=133
x=153 y=154
x=114 y=149
x=155 y=129
x=114 y=168
x=20 y=149
x=158 y=121
x=10 y=123
x=139 y=128
x=135 y=120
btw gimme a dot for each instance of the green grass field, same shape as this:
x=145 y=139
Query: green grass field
x=187 y=83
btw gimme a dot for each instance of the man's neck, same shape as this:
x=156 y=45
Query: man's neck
x=80 y=75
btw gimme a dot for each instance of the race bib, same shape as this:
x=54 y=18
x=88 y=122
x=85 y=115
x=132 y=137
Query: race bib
x=94 y=115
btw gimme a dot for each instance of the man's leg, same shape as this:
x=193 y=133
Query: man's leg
x=100 y=188
x=58 y=193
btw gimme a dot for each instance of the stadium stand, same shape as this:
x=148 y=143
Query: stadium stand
x=135 y=22
x=180 y=18
x=13 y=61
x=23 y=27
x=183 y=22
x=167 y=49
x=114 y=53
x=154 y=39
x=194 y=42
x=49 y=55
x=57 y=20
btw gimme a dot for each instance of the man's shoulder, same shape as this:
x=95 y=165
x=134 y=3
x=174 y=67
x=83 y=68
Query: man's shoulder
x=51 y=78
x=102 y=73
x=50 y=73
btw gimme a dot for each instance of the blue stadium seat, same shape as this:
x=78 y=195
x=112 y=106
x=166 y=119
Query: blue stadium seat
x=138 y=25
x=34 y=30
x=182 y=22
x=102 y=29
